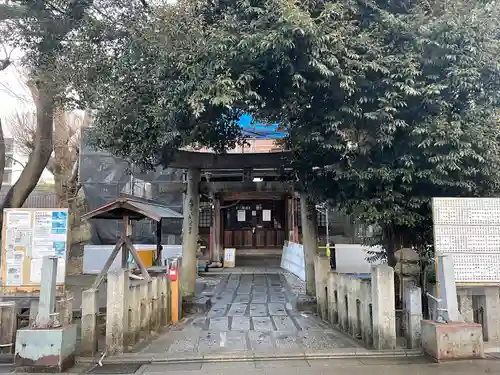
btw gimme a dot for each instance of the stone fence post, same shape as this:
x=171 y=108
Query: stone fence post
x=321 y=270
x=413 y=312
x=333 y=314
x=383 y=307
x=134 y=316
x=117 y=311
x=155 y=305
x=90 y=310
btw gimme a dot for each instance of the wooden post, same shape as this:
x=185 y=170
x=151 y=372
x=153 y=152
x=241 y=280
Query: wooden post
x=108 y=264
x=137 y=259
x=127 y=232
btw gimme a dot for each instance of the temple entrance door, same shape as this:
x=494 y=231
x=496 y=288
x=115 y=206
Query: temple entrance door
x=254 y=224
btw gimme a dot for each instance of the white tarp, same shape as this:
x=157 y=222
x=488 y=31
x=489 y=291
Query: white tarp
x=351 y=258
x=95 y=256
x=292 y=259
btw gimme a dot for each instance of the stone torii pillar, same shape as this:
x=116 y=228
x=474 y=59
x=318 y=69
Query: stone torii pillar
x=190 y=228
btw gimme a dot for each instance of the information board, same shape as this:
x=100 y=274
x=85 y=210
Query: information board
x=468 y=229
x=229 y=257
x=28 y=235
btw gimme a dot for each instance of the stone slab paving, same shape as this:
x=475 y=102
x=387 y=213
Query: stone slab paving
x=250 y=312
x=400 y=366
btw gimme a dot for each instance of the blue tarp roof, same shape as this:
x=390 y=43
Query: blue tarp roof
x=259 y=130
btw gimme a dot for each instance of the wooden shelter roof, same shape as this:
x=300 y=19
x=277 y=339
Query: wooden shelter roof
x=134 y=209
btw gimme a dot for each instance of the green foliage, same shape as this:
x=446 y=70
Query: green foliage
x=387 y=103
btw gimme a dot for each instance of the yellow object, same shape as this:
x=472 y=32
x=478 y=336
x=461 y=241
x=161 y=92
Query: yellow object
x=174 y=300
x=146 y=256
x=327 y=249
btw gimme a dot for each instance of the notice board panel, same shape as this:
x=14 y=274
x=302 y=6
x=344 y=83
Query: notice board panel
x=468 y=229
x=28 y=235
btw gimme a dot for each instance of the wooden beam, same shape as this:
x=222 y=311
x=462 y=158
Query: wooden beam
x=246 y=186
x=138 y=260
x=207 y=160
x=108 y=264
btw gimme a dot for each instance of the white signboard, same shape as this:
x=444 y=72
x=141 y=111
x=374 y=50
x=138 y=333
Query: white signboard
x=229 y=257
x=468 y=229
x=293 y=260
x=95 y=256
x=352 y=258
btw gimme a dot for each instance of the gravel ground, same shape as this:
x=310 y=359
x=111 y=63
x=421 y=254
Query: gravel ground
x=297 y=286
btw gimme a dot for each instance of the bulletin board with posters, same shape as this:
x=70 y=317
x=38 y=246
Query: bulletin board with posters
x=28 y=235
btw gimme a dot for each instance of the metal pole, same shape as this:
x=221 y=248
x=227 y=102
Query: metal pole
x=327 y=233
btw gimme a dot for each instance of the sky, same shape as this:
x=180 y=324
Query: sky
x=14 y=94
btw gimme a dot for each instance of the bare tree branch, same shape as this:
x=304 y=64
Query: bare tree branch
x=14 y=160
x=2 y=153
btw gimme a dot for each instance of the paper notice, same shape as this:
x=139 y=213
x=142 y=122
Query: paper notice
x=229 y=255
x=43 y=225
x=18 y=219
x=36 y=270
x=266 y=215
x=15 y=257
x=42 y=248
x=59 y=249
x=14 y=274
x=59 y=225
x=61 y=270
x=242 y=215
x=19 y=239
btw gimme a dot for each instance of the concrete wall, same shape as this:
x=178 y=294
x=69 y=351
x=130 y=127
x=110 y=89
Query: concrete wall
x=481 y=305
x=363 y=307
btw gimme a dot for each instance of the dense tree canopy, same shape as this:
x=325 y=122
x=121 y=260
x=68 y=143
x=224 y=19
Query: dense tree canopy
x=387 y=103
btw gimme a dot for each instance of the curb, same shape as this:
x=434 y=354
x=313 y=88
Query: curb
x=223 y=273
x=247 y=357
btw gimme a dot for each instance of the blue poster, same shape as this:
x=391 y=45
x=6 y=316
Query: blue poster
x=59 y=248
x=59 y=222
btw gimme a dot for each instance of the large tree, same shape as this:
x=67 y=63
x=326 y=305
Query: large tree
x=40 y=29
x=387 y=103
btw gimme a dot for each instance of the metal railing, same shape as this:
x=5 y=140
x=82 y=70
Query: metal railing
x=442 y=312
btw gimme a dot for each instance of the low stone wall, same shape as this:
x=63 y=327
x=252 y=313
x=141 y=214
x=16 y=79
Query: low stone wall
x=360 y=306
x=481 y=305
x=133 y=312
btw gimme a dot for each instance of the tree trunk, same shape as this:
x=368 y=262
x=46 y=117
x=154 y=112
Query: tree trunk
x=61 y=157
x=390 y=245
x=309 y=239
x=38 y=159
x=2 y=154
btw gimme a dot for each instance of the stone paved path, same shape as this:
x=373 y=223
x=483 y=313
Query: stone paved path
x=250 y=312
